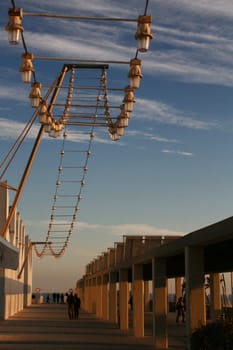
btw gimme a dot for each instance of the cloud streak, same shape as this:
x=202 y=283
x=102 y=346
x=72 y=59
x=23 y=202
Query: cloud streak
x=180 y=153
x=167 y=114
x=129 y=229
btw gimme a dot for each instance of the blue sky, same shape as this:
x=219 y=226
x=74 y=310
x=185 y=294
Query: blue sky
x=171 y=172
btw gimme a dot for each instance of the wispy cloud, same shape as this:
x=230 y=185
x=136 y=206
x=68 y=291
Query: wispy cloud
x=167 y=114
x=116 y=230
x=180 y=153
x=150 y=136
x=128 y=229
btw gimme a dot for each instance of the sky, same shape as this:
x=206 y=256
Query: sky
x=171 y=172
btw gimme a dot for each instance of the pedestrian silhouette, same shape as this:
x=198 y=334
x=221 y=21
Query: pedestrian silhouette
x=180 y=309
x=77 y=304
x=70 y=304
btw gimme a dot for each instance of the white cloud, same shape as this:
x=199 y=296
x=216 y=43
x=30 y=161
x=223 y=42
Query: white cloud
x=181 y=153
x=167 y=114
x=128 y=229
x=150 y=136
x=223 y=7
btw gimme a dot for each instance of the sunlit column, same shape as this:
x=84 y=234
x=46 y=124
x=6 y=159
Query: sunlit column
x=99 y=286
x=138 y=300
x=124 y=298
x=215 y=296
x=105 y=298
x=113 y=314
x=160 y=289
x=195 y=290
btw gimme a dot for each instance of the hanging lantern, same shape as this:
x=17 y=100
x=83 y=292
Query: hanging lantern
x=35 y=95
x=14 y=26
x=56 y=129
x=26 y=68
x=120 y=130
x=43 y=112
x=123 y=122
x=114 y=136
x=129 y=99
x=135 y=74
x=143 y=34
x=124 y=113
x=48 y=123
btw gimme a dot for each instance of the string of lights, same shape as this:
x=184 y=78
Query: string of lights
x=65 y=214
x=87 y=105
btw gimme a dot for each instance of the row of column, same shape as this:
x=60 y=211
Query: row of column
x=15 y=291
x=107 y=295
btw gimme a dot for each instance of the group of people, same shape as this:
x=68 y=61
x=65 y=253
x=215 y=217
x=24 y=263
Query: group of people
x=73 y=303
x=56 y=298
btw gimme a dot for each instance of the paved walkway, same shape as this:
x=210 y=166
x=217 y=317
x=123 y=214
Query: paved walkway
x=47 y=327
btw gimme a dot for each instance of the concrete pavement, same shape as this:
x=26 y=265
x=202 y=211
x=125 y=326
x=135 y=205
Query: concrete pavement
x=47 y=327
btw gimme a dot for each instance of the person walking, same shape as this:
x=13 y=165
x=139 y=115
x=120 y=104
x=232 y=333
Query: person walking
x=180 y=309
x=70 y=304
x=77 y=304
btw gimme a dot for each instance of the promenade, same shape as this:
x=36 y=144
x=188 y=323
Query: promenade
x=47 y=327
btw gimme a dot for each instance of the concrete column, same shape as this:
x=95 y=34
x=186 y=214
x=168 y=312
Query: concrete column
x=99 y=285
x=160 y=289
x=86 y=297
x=215 y=296
x=146 y=296
x=113 y=312
x=93 y=295
x=195 y=291
x=4 y=205
x=178 y=287
x=105 y=298
x=124 y=299
x=28 y=275
x=138 y=300
x=88 y=303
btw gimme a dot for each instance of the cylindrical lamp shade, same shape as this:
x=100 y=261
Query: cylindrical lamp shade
x=135 y=74
x=43 y=113
x=120 y=131
x=26 y=68
x=35 y=95
x=143 y=34
x=114 y=137
x=56 y=129
x=123 y=122
x=124 y=113
x=129 y=99
x=14 y=26
x=48 y=124
x=112 y=130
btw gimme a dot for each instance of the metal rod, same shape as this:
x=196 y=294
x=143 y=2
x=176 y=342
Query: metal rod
x=41 y=58
x=25 y=260
x=53 y=15
x=86 y=124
